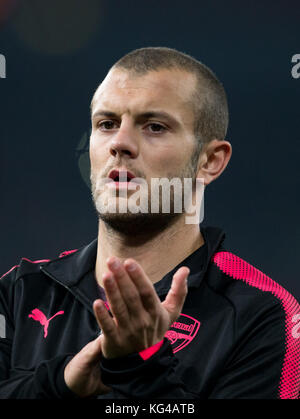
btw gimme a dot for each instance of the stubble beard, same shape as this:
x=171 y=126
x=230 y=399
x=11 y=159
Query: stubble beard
x=142 y=225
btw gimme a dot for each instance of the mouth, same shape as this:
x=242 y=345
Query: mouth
x=120 y=176
x=122 y=179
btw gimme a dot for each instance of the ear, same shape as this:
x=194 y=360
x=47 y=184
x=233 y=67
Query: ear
x=213 y=160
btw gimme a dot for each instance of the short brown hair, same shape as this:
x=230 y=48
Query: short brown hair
x=211 y=108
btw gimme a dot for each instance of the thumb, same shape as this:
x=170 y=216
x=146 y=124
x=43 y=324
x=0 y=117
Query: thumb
x=92 y=351
x=175 y=298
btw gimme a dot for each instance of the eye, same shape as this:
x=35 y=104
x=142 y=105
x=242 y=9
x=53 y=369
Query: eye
x=155 y=127
x=106 y=125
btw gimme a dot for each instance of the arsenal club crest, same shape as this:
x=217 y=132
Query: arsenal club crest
x=182 y=332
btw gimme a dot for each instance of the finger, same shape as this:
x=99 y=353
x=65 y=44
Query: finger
x=91 y=352
x=175 y=298
x=104 y=319
x=126 y=286
x=143 y=284
x=116 y=302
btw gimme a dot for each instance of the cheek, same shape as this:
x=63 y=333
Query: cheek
x=168 y=162
x=98 y=155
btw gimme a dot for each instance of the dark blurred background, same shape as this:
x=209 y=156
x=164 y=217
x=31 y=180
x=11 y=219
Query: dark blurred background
x=58 y=51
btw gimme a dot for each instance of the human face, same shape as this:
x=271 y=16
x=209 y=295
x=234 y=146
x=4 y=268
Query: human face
x=142 y=124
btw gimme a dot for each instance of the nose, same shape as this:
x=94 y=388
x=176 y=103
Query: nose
x=125 y=143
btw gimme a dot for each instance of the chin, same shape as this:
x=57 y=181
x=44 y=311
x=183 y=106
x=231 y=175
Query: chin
x=138 y=225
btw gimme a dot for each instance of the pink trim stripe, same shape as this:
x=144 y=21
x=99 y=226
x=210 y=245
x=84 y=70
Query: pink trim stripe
x=28 y=260
x=237 y=268
x=36 y=261
x=148 y=352
x=8 y=272
x=67 y=252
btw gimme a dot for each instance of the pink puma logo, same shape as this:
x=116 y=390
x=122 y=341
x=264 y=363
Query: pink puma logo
x=38 y=316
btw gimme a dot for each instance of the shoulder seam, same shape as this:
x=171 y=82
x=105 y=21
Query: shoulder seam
x=8 y=272
x=61 y=255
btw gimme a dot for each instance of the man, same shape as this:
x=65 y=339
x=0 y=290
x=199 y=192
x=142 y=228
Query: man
x=179 y=316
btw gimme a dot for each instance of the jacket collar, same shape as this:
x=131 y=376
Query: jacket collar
x=197 y=262
x=70 y=269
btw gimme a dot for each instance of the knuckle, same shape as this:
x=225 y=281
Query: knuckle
x=138 y=326
x=132 y=300
x=120 y=310
x=109 y=331
x=141 y=325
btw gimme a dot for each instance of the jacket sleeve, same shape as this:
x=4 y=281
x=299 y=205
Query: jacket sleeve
x=265 y=362
x=154 y=377
x=46 y=381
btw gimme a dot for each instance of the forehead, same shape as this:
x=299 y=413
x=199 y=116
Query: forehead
x=164 y=89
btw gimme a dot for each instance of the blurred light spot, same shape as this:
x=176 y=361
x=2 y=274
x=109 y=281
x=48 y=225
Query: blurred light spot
x=6 y=8
x=57 y=26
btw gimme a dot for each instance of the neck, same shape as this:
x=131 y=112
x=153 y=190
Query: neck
x=177 y=241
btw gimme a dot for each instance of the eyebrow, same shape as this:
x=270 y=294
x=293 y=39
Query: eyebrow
x=144 y=115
